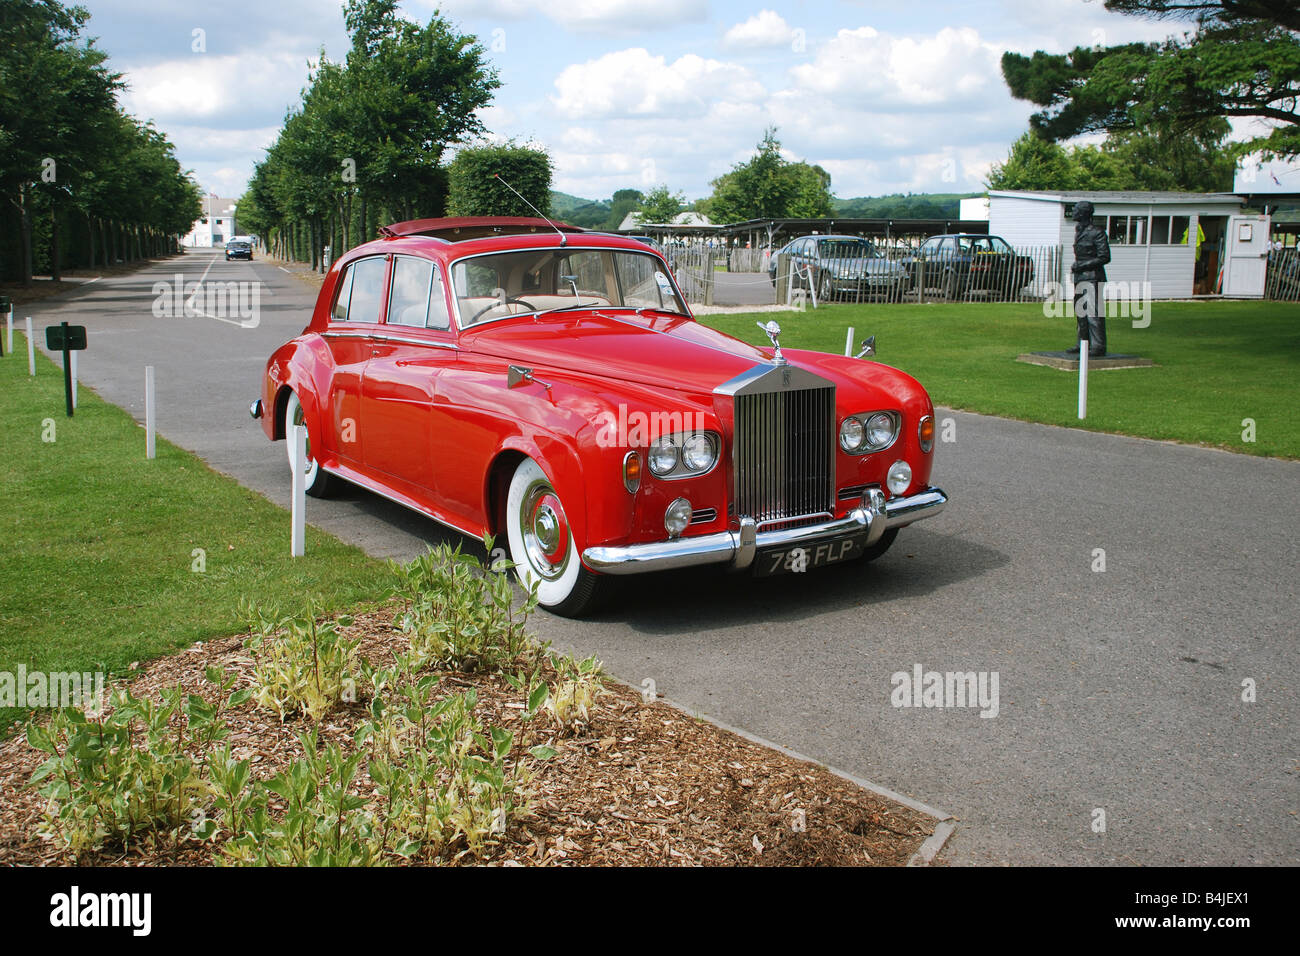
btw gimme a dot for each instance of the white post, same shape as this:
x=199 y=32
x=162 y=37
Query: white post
x=1083 y=378
x=848 y=343
x=811 y=291
x=9 y=321
x=31 y=349
x=297 y=461
x=149 y=449
x=72 y=358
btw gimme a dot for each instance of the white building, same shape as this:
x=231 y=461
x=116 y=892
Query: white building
x=1183 y=244
x=215 y=227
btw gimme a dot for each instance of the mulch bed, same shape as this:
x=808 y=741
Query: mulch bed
x=648 y=785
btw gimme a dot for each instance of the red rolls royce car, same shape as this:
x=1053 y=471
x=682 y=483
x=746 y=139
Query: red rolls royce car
x=548 y=386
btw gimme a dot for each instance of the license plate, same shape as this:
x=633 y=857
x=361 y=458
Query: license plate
x=805 y=557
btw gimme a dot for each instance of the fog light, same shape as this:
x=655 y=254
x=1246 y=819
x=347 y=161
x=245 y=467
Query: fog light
x=900 y=477
x=677 y=517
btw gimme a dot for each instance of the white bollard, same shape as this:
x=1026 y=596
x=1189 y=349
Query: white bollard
x=812 y=293
x=297 y=461
x=1083 y=378
x=31 y=349
x=72 y=359
x=848 y=343
x=149 y=450
x=9 y=321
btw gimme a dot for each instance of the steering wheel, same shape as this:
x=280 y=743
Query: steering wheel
x=498 y=302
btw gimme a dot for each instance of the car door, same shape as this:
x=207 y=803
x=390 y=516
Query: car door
x=349 y=335
x=408 y=354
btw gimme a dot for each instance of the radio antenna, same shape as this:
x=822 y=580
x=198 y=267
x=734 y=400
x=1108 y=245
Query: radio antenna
x=564 y=240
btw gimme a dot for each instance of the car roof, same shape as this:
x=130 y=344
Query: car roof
x=464 y=228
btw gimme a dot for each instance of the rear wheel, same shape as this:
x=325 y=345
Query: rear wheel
x=542 y=546
x=320 y=483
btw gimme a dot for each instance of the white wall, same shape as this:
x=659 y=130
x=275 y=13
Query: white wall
x=1025 y=222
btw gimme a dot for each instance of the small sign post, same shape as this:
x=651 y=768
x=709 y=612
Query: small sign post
x=8 y=309
x=1083 y=378
x=66 y=339
x=298 y=516
x=149 y=449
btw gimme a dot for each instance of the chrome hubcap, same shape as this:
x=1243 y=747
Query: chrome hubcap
x=545 y=531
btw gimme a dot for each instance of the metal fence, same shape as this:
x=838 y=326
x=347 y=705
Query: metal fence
x=831 y=272
x=1282 y=281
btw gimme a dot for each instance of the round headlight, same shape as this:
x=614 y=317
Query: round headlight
x=880 y=430
x=663 y=456
x=852 y=436
x=677 y=517
x=900 y=477
x=697 y=453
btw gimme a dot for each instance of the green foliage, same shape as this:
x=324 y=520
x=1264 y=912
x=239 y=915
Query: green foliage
x=1240 y=60
x=570 y=701
x=111 y=779
x=368 y=138
x=460 y=616
x=302 y=665
x=1194 y=160
x=769 y=187
x=623 y=202
x=660 y=205
x=58 y=101
x=475 y=181
x=899 y=206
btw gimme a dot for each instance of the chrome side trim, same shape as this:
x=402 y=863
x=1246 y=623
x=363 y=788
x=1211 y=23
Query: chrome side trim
x=738 y=548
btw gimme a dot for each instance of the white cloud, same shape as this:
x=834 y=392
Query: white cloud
x=767 y=28
x=209 y=86
x=951 y=67
x=636 y=83
x=586 y=16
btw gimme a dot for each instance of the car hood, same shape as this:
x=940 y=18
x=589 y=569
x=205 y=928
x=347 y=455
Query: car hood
x=650 y=349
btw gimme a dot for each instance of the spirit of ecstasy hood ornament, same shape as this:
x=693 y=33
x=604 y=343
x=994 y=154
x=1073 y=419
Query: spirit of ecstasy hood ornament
x=774 y=333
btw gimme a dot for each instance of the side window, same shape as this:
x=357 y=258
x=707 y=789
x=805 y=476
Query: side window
x=439 y=318
x=408 y=302
x=367 y=290
x=340 y=311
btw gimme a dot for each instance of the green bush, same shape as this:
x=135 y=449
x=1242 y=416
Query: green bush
x=474 y=190
x=308 y=668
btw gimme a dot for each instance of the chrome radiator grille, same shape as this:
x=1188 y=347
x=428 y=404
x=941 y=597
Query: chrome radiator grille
x=783 y=450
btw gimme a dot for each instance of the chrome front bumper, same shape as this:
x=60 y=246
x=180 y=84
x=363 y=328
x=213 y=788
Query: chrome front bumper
x=737 y=548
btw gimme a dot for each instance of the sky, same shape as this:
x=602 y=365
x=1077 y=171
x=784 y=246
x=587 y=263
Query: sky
x=886 y=96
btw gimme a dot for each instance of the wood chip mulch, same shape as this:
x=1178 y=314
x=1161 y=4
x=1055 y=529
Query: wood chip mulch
x=646 y=786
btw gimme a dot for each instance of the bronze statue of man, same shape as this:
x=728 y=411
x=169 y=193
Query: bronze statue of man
x=1091 y=253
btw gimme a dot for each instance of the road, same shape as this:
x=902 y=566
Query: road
x=1119 y=690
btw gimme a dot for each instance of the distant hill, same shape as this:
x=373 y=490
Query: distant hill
x=900 y=206
x=578 y=211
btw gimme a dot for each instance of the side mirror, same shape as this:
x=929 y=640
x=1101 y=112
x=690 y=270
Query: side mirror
x=868 y=348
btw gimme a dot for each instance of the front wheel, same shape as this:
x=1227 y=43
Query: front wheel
x=320 y=484
x=881 y=546
x=542 y=546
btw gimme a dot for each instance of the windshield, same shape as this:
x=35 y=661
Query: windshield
x=844 y=249
x=539 y=280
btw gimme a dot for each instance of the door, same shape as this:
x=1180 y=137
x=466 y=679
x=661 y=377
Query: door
x=408 y=353
x=1247 y=255
x=354 y=320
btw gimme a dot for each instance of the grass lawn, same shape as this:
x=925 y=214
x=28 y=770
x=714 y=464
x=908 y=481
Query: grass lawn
x=98 y=543
x=1217 y=363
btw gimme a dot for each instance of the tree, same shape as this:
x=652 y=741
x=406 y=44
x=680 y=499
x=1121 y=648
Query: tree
x=477 y=178
x=1241 y=60
x=1126 y=160
x=623 y=202
x=770 y=187
x=660 y=205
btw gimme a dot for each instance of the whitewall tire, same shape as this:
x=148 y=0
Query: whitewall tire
x=542 y=545
x=319 y=484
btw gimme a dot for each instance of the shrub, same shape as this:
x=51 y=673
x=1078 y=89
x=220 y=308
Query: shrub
x=308 y=668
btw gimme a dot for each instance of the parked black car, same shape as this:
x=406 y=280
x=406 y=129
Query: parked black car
x=963 y=263
x=238 y=249
x=838 y=265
